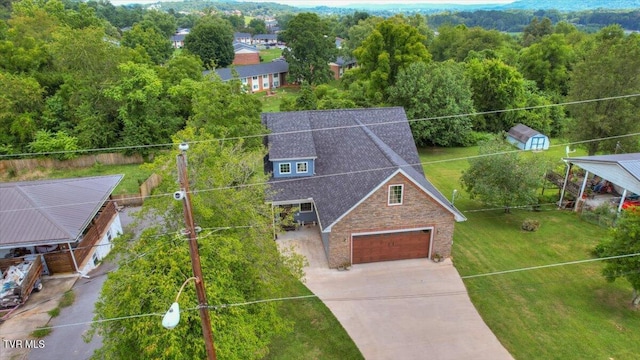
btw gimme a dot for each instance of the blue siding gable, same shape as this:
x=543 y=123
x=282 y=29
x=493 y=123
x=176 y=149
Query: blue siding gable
x=293 y=168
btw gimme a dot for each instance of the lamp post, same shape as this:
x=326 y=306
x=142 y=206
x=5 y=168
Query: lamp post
x=184 y=196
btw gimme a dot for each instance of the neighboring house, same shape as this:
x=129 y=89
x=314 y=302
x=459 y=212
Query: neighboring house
x=357 y=174
x=526 y=138
x=70 y=221
x=265 y=39
x=258 y=77
x=241 y=37
x=177 y=41
x=339 y=41
x=245 y=54
x=341 y=65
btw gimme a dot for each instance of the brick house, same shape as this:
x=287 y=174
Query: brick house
x=265 y=39
x=356 y=174
x=245 y=54
x=258 y=77
x=341 y=65
x=242 y=37
x=71 y=222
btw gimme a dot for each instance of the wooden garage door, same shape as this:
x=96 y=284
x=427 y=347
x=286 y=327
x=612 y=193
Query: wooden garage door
x=391 y=246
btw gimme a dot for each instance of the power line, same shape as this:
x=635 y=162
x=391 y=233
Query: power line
x=230 y=187
x=548 y=266
x=577 y=102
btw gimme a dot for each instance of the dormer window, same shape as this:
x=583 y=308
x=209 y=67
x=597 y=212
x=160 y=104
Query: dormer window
x=395 y=194
x=285 y=168
x=302 y=167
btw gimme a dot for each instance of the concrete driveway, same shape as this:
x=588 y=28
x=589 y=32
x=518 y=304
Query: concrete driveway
x=409 y=309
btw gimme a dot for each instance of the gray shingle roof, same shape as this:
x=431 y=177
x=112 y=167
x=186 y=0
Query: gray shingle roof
x=273 y=37
x=290 y=139
x=356 y=149
x=522 y=133
x=50 y=211
x=238 y=35
x=274 y=67
x=237 y=46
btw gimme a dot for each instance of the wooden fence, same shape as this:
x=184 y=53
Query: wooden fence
x=137 y=199
x=20 y=165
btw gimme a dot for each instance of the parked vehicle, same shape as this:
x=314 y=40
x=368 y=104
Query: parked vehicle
x=17 y=283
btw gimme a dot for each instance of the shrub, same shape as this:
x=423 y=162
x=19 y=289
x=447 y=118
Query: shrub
x=41 y=332
x=530 y=225
x=60 y=145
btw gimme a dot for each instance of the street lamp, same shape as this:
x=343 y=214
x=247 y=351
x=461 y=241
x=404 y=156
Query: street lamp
x=171 y=319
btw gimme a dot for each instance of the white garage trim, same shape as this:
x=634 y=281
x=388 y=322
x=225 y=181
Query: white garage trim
x=430 y=228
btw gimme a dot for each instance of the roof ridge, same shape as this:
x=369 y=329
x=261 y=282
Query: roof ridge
x=37 y=208
x=388 y=152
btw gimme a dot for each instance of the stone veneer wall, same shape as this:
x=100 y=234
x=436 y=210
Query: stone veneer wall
x=417 y=210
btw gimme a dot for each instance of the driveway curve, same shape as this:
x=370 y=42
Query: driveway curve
x=409 y=309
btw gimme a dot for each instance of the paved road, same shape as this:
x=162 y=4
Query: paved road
x=67 y=342
x=409 y=309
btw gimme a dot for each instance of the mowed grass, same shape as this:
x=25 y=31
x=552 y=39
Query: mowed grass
x=316 y=334
x=268 y=55
x=271 y=103
x=134 y=175
x=563 y=312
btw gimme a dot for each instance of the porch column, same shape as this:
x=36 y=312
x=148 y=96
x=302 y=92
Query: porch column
x=584 y=184
x=624 y=195
x=73 y=257
x=564 y=185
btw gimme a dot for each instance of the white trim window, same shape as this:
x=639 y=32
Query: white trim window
x=285 y=168
x=396 y=193
x=306 y=207
x=276 y=80
x=265 y=81
x=255 y=85
x=302 y=167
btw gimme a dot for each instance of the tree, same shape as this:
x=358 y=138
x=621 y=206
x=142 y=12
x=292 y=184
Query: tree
x=608 y=69
x=150 y=40
x=499 y=176
x=432 y=91
x=496 y=86
x=457 y=42
x=146 y=114
x=62 y=145
x=392 y=46
x=224 y=109
x=20 y=107
x=624 y=239
x=311 y=47
x=257 y=26
x=164 y=22
x=536 y=30
x=240 y=263
x=548 y=63
x=212 y=40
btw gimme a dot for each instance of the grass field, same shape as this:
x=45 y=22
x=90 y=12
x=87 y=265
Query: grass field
x=317 y=334
x=271 y=103
x=564 y=312
x=269 y=55
x=130 y=184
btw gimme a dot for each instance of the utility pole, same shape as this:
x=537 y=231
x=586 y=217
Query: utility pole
x=207 y=332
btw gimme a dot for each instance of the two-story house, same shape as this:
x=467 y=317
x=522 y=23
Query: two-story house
x=356 y=174
x=258 y=77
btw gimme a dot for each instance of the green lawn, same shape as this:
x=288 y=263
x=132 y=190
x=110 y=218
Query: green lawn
x=567 y=312
x=133 y=175
x=269 y=55
x=271 y=103
x=317 y=334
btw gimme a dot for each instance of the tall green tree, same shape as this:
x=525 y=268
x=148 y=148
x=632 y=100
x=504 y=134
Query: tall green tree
x=212 y=40
x=499 y=176
x=548 y=63
x=164 y=22
x=150 y=42
x=608 y=69
x=536 y=30
x=240 y=263
x=623 y=240
x=311 y=47
x=497 y=87
x=224 y=109
x=20 y=107
x=257 y=26
x=439 y=91
x=146 y=114
x=392 y=46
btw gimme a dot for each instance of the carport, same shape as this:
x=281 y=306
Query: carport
x=622 y=170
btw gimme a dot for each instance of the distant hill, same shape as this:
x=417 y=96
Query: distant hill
x=562 y=5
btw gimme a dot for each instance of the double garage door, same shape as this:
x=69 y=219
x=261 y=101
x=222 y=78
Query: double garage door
x=390 y=246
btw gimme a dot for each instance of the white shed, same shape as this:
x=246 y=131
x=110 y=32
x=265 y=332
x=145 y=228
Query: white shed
x=526 y=138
